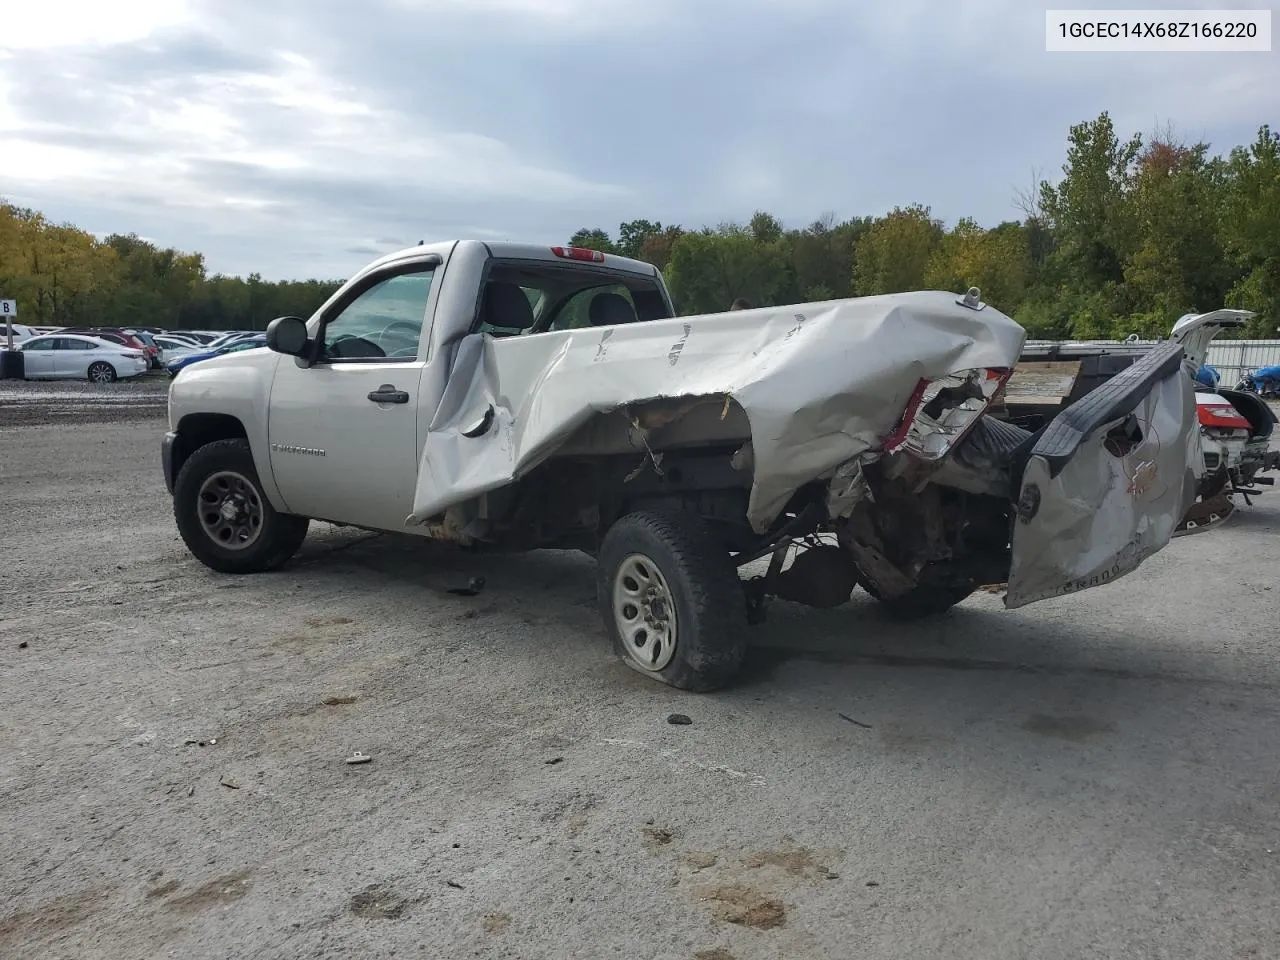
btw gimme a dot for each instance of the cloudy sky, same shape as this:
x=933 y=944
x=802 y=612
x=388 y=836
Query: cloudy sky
x=300 y=138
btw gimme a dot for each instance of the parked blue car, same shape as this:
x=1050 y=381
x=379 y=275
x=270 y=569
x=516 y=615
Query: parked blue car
x=179 y=364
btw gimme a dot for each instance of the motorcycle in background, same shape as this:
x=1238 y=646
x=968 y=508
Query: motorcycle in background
x=1265 y=382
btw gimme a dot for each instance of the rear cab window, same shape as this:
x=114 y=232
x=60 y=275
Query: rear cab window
x=564 y=296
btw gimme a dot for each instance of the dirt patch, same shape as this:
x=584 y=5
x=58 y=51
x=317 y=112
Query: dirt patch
x=1077 y=729
x=745 y=907
x=163 y=890
x=327 y=621
x=700 y=859
x=219 y=891
x=496 y=923
x=719 y=953
x=796 y=862
x=379 y=902
x=658 y=836
x=53 y=917
x=338 y=701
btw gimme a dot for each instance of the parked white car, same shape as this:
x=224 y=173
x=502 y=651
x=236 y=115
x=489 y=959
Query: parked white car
x=174 y=348
x=75 y=357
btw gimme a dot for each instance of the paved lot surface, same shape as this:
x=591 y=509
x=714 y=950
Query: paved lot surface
x=1092 y=777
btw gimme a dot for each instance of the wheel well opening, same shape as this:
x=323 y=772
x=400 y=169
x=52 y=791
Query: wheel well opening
x=195 y=430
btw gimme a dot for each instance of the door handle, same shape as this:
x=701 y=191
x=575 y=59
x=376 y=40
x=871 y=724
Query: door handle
x=387 y=393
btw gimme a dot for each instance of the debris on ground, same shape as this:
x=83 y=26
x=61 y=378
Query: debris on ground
x=358 y=757
x=454 y=883
x=22 y=645
x=679 y=720
x=856 y=723
x=553 y=761
x=746 y=907
x=230 y=784
x=660 y=836
x=473 y=587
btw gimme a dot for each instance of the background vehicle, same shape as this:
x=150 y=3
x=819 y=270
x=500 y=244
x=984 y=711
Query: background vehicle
x=21 y=332
x=228 y=338
x=180 y=363
x=1265 y=382
x=198 y=337
x=148 y=341
x=115 y=335
x=173 y=348
x=77 y=357
x=547 y=397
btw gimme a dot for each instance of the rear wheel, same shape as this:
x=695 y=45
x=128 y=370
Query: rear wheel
x=224 y=518
x=102 y=372
x=671 y=600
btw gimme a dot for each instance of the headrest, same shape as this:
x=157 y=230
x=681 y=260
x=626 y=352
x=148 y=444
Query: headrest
x=505 y=305
x=608 y=309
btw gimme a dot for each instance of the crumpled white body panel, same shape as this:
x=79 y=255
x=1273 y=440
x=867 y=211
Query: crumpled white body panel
x=820 y=383
x=1102 y=515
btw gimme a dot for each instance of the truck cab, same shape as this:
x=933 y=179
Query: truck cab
x=338 y=428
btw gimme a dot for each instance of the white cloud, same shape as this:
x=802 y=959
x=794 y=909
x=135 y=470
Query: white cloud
x=281 y=136
x=52 y=24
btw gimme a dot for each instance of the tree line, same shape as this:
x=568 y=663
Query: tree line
x=1137 y=232
x=64 y=276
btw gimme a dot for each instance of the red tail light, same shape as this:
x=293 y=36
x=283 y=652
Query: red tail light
x=1221 y=415
x=579 y=253
x=940 y=412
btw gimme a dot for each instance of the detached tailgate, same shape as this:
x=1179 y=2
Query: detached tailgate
x=1107 y=482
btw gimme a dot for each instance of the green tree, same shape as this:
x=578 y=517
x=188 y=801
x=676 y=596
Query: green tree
x=997 y=261
x=711 y=268
x=593 y=238
x=894 y=253
x=1251 y=229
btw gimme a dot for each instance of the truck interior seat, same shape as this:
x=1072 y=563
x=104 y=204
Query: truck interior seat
x=504 y=309
x=608 y=309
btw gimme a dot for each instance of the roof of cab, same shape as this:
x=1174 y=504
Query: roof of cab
x=513 y=250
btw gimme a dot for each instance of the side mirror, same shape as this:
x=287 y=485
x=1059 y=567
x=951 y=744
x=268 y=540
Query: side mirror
x=287 y=335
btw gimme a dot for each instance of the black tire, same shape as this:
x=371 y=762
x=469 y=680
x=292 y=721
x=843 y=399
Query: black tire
x=278 y=535
x=707 y=596
x=926 y=600
x=106 y=373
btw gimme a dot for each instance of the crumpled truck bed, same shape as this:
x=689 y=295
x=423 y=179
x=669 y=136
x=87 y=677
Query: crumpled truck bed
x=819 y=384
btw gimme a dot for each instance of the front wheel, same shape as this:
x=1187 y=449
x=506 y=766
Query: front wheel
x=224 y=518
x=671 y=600
x=102 y=372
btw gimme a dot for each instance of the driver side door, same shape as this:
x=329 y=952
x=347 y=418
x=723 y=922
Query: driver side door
x=343 y=431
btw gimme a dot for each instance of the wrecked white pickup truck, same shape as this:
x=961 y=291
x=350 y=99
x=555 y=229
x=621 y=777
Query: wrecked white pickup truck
x=509 y=396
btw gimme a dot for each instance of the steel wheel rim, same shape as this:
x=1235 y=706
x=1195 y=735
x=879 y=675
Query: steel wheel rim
x=644 y=612
x=100 y=373
x=230 y=510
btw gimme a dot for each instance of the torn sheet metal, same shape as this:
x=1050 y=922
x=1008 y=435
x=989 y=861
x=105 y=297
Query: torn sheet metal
x=819 y=383
x=1103 y=494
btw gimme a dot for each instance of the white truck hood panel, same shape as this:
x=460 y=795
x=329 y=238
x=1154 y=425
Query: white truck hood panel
x=820 y=383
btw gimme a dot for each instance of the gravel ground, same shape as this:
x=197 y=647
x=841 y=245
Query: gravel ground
x=1090 y=777
x=79 y=401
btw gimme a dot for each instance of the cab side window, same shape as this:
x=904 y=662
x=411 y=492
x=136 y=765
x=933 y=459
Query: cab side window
x=383 y=322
